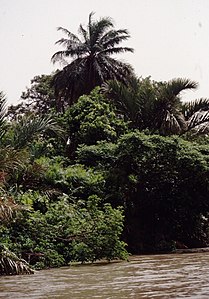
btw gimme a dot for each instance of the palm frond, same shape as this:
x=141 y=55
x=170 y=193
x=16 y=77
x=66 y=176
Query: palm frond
x=11 y=159
x=116 y=50
x=72 y=52
x=67 y=42
x=125 y=99
x=91 y=62
x=175 y=86
x=30 y=126
x=2 y=114
x=90 y=18
x=70 y=35
x=198 y=118
x=10 y=264
x=167 y=107
x=115 y=69
x=114 y=37
x=84 y=33
x=189 y=108
x=172 y=123
x=98 y=29
x=59 y=56
x=8 y=208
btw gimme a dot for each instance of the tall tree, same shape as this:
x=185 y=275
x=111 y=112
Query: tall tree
x=91 y=62
x=169 y=118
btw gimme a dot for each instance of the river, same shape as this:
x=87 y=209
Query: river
x=147 y=276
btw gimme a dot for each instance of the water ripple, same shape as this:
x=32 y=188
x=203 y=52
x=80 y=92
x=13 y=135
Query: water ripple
x=149 y=276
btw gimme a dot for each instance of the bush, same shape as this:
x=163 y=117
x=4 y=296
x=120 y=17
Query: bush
x=80 y=231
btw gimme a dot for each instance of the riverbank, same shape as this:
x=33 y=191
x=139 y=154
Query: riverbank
x=192 y=250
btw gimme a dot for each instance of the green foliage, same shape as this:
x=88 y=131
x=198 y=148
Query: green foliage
x=155 y=106
x=100 y=155
x=68 y=232
x=76 y=184
x=93 y=119
x=75 y=180
x=135 y=101
x=163 y=183
x=29 y=127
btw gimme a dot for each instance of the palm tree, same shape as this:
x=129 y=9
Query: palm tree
x=126 y=99
x=29 y=127
x=134 y=101
x=151 y=105
x=16 y=136
x=196 y=114
x=91 y=62
x=169 y=118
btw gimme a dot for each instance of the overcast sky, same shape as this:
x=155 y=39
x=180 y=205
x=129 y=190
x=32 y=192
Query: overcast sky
x=170 y=38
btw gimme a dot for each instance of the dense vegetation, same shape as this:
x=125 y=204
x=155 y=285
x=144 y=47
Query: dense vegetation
x=96 y=163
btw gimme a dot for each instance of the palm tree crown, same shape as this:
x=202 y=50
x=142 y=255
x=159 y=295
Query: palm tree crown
x=91 y=62
x=156 y=106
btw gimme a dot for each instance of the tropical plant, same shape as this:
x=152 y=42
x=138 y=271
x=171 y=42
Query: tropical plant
x=8 y=207
x=75 y=180
x=69 y=230
x=10 y=159
x=92 y=119
x=168 y=115
x=10 y=264
x=151 y=105
x=15 y=151
x=134 y=101
x=92 y=63
x=29 y=127
x=162 y=182
x=196 y=114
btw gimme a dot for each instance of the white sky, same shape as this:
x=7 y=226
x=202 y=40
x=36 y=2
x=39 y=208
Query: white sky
x=170 y=38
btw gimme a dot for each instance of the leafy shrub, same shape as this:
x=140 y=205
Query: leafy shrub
x=77 y=181
x=80 y=231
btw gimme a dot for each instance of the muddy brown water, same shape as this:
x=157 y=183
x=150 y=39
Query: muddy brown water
x=148 y=276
